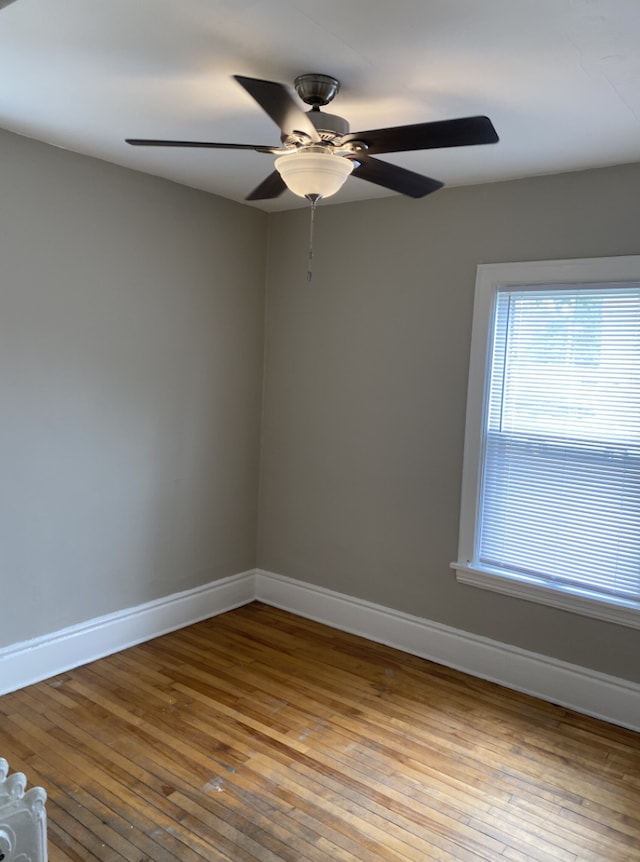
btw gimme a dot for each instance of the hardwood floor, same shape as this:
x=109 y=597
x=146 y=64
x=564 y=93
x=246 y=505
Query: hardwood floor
x=259 y=735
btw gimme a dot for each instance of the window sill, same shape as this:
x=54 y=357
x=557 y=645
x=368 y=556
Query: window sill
x=621 y=611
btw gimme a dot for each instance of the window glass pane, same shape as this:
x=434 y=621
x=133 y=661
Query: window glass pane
x=560 y=490
x=567 y=362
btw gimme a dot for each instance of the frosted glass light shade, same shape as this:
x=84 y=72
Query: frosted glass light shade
x=311 y=173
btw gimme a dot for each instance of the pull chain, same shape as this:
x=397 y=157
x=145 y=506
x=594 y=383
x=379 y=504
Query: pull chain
x=313 y=199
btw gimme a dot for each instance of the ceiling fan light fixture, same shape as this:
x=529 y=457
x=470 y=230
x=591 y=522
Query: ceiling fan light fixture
x=311 y=174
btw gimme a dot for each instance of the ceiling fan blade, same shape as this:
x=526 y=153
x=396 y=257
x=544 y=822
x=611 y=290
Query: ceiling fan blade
x=278 y=103
x=272 y=187
x=396 y=178
x=209 y=145
x=462 y=132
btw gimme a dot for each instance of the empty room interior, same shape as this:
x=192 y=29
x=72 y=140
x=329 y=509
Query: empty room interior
x=269 y=459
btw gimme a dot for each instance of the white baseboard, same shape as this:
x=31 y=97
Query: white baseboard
x=34 y=660
x=595 y=694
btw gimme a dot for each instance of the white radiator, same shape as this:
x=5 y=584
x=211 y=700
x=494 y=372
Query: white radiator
x=23 y=819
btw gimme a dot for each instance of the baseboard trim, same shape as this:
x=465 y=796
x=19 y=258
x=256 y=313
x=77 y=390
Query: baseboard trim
x=34 y=660
x=598 y=695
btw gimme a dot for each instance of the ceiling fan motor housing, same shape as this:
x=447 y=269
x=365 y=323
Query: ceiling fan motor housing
x=328 y=126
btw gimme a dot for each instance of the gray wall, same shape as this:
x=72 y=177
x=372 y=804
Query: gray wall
x=365 y=391
x=131 y=342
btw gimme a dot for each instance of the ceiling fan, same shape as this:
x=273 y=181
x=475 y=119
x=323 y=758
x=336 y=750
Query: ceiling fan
x=318 y=152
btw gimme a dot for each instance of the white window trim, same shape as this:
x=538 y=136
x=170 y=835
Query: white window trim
x=491 y=277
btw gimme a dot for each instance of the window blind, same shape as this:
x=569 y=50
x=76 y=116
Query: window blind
x=560 y=476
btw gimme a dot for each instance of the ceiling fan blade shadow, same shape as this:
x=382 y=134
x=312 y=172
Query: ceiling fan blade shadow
x=207 y=145
x=463 y=132
x=278 y=103
x=271 y=187
x=395 y=178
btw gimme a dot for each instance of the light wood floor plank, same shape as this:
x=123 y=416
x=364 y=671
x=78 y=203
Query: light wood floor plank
x=258 y=736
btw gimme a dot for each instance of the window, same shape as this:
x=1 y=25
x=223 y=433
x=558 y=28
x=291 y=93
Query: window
x=551 y=483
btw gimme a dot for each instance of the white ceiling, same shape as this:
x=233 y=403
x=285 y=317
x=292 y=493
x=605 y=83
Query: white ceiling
x=560 y=80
